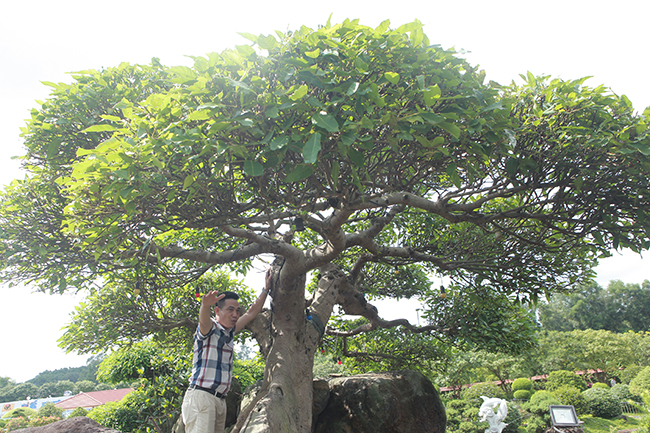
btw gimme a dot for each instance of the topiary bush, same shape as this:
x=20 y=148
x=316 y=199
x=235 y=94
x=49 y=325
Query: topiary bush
x=599 y=385
x=522 y=394
x=641 y=381
x=602 y=403
x=560 y=378
x=486 y=389
x=571 y=396
x=540 y=402
x=522 y=383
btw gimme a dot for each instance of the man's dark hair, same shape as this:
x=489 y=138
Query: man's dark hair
x=229 y=295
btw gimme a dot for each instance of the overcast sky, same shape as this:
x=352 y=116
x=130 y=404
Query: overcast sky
x=43 y=40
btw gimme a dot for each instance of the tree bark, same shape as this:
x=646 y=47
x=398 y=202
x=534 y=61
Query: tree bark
x=284 y=403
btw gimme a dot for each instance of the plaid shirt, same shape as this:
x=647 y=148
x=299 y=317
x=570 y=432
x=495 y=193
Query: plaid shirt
x=212 y=359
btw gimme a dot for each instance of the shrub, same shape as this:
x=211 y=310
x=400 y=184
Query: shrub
x=39 y=421
x=560 y=378
x=486 y=389
x=536 y=424
x=522 y=394
x=50 y=409
x=513 y=419
x=79 y=411
x=522 y=384
x=623 y=393
x=641 y=381
x=602 y=403
x=540 y=402
x=24 y=412
x=630 y=372
x=116 y=415
x=571 y=396
x=599 y=385
x=17 y=423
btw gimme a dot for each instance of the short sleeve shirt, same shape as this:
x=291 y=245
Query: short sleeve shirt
x=212 y=358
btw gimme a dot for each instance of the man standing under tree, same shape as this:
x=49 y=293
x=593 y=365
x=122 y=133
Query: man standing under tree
x=204 y=404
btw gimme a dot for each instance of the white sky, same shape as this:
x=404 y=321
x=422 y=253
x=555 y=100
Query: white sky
x=42 y=40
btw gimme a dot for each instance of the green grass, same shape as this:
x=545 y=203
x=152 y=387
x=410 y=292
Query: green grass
x=602 y=425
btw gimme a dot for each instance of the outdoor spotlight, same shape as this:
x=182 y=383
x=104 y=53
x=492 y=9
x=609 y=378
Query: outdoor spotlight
x=563 y=416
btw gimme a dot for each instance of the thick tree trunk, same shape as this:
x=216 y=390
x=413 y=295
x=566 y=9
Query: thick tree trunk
x=284 y=403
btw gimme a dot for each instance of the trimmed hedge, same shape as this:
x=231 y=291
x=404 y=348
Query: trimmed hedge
x=522 y=394
x=522 y=383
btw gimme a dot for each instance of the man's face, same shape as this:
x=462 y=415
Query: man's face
x=229 y=314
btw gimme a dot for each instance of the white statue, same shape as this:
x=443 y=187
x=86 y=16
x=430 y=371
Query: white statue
x=495 y=419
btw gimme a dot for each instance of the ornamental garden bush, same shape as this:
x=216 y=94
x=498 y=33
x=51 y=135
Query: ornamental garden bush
x=522 y=394
x=623 y=393
x=600 y=385
x=602 y=403
x=571 y=396
x=79 y=411
x=522 y=383
x=486 y=389
x=560 y=378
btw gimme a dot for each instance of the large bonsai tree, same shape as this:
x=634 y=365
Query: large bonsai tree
x=366 y=155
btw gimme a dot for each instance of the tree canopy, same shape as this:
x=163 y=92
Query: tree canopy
x=365 y=154
x=620 y=307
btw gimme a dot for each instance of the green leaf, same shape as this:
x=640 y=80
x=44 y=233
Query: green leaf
x=302 y=171
x=189 y=180
x=432 y=118
x=279 y=142
x=313 y=54
x=325 y=121
x=496 y=106
x=299 y=93
x=251 y=37
x=100 y=128
x=356 y=157
x=392 y=77
x=431 y=95
x=450 y=128
x=199 y=115
x=267 y=42
x=253 y=168
x=311 y=149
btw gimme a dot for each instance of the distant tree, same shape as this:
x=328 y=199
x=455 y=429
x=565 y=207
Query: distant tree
x=590 y=349
x=59 y=388
x=50 y=409
x=4 y=381
x=619 y=308
x=85 y=386
x=24 y=390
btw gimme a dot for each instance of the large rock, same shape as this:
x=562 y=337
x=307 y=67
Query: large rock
x=396 y=402
x=79 y=424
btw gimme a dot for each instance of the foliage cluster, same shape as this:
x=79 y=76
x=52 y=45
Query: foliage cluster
x=462 y=417
x=641 y=382
x=559 y=378
x=619 y=308
x=602 y=403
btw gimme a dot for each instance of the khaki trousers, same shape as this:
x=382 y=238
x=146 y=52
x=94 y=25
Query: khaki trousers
x=203 y=412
